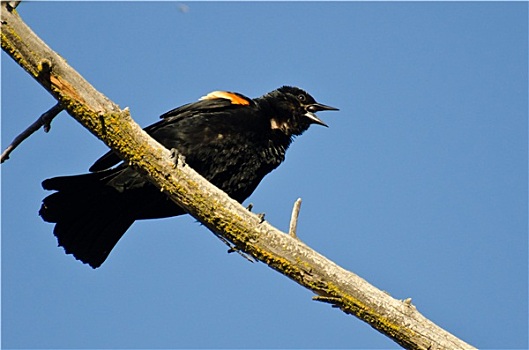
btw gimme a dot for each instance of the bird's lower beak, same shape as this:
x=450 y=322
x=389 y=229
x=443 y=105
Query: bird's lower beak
x=314 y=120
x=316 y=107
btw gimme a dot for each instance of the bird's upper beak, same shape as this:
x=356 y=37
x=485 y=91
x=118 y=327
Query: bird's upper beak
x=316 y=107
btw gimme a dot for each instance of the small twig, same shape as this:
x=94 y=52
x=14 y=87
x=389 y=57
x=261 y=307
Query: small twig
x=335 y=302
x=294 y=219
x=234 y=249
x=44 y=121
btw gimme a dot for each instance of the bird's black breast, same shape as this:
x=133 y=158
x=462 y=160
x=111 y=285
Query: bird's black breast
x=233 y=151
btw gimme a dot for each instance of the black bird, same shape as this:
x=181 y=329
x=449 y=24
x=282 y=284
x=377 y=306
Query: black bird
x=230 y=139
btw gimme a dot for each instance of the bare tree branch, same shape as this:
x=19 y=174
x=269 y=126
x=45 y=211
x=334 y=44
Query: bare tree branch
x=225 y=217
x=43 y=121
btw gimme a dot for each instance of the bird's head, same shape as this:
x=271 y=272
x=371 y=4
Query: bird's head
x=294 y=110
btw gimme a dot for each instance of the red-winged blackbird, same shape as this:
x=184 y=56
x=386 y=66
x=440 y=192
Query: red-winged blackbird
x=230 y=139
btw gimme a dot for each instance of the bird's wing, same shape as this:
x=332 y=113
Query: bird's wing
x=189 y=117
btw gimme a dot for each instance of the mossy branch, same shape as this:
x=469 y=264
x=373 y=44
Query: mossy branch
x=225 y=217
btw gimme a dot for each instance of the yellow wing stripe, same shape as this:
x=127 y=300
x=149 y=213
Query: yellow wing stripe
x=235 y=98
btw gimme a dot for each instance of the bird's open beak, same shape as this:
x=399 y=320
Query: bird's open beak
x=316 y=107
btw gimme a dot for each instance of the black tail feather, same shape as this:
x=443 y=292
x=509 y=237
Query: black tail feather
x=90 y=217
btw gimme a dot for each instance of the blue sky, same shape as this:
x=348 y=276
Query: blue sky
x=419 y=185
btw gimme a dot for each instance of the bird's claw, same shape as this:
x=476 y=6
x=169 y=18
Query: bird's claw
x=177 y=157
x=261 y=216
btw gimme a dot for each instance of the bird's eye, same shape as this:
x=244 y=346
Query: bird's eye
x=301 y=97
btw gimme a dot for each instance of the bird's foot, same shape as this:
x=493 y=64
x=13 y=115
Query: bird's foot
x=177 y=157
x=261 y=216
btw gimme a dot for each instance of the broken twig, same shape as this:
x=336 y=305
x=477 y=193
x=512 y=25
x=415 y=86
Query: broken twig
x=294 y=219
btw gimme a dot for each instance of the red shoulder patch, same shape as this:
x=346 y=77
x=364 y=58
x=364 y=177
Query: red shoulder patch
x=235 y=98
